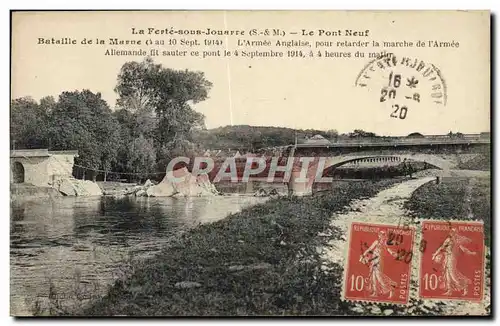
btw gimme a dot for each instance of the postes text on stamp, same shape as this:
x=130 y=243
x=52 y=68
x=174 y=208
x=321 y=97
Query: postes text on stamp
x=378 y=266
x=452 y=264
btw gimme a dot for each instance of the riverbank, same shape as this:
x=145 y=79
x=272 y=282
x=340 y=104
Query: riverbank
x=459 y=198
x=261 y=261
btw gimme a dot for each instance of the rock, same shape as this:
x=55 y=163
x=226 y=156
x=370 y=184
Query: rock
x=66 y=187
x=187 y=285
x=76 y=187
x=236 y=268
x=388 y=312
x=204 y=182
x=260 y=193
x=163 y=189
x=424 y=310
x=182 y=182
x=376 y=310
x=430 y=305
x=358 y=309
x=258 y=266
x=140 y=193
x=148 y=183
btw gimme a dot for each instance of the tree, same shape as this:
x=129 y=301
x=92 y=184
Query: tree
x=169 y=93
x=135 y=85
x=29 y=123
x=84 y=121
x=455 y=135
x=361 y=133
x=160 y=100
x=142 y=156
x=415 y=135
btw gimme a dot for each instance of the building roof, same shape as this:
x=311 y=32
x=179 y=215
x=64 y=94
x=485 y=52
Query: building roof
x=40 y=152
x=317 y=139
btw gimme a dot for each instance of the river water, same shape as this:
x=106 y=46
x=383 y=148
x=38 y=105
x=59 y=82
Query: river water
x=71 y=243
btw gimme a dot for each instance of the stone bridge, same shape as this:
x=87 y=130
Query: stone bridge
x=445 y=154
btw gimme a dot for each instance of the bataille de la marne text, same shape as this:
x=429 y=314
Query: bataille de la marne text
x=251 y=33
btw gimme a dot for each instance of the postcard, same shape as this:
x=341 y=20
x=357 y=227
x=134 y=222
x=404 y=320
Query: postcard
x=250 y=163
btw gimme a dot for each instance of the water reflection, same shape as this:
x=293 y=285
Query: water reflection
x=86 y=240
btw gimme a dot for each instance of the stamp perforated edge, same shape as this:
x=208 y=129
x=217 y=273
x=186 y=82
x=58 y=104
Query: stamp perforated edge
x=419 y=222
x=346 y=261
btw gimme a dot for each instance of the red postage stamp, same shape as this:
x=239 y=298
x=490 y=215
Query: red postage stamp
x=378 y=265
x=452 y=262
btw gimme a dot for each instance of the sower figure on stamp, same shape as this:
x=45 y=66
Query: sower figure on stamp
x=379 y=283
x=447 y=254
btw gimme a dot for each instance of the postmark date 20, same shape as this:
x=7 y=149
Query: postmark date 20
x=390 y=92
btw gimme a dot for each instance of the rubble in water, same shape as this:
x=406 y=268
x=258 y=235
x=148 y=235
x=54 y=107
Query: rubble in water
x=189 y=186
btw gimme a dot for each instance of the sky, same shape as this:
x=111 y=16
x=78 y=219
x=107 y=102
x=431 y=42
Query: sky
x=317 y=92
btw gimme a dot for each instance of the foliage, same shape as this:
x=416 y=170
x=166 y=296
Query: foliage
x=149 y=87
x=84 y=121
x=481 y=162
x=451 y=134
x=156 y=104
x=142 y=158
x=451 y=199
x=361 y=133
x=29 y=122
x=251 y=138
x=154 y=120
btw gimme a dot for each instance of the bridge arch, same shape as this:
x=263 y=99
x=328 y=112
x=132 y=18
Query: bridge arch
x=299 y=187
x=18 y=172
x=434 y=160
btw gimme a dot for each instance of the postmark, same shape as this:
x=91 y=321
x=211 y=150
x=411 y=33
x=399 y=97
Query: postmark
x=452 y=265
x=403 y=83
x=378 y=266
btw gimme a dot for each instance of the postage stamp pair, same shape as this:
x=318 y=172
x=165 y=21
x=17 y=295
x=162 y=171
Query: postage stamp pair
x=449 y=254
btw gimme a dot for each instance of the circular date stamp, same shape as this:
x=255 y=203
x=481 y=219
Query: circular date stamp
x=403 y=83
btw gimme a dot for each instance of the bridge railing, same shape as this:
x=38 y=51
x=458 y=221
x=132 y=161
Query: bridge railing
x=439 y=139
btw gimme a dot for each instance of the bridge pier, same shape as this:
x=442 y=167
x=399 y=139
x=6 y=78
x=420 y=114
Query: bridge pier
x=297 y=187
x=249 y=187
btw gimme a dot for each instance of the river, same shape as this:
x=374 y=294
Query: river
x=76 y=241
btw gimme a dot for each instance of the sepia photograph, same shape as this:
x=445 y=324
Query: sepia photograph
x=250 y=163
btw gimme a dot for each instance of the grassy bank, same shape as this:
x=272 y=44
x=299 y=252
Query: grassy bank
x=454 y=198
x=261 y=261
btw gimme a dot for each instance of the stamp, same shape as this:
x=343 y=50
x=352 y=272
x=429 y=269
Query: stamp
x=378 y=267
x=403 y=83
x=452 y=264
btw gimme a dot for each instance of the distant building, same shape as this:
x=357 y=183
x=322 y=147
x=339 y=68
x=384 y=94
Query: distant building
x=41 y=167
x=317 y=139
x=415 y=135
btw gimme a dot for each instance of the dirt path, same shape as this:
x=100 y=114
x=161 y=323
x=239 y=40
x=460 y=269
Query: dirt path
x=387 y=207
